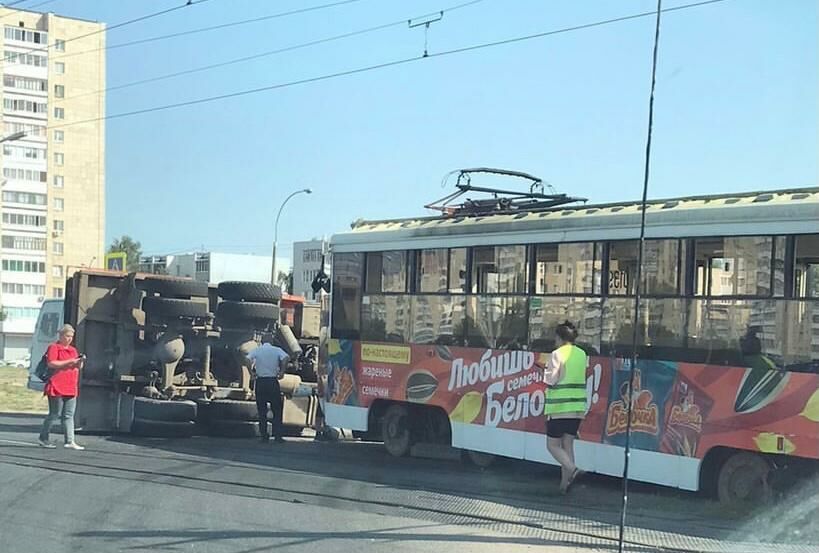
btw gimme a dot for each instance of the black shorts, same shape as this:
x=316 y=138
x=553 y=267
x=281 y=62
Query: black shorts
x=557 y=428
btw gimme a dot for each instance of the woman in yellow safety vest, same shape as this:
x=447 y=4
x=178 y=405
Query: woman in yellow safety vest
x=565 y=378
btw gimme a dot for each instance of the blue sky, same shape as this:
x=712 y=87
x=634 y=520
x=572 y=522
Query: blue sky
x=736 y=110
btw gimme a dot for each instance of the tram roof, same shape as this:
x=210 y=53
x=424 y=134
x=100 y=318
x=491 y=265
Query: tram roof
x=790 y=211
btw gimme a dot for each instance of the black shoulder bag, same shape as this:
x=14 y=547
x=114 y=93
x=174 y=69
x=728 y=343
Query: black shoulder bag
x=42 y=371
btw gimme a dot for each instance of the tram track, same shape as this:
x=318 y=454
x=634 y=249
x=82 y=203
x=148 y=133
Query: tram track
x=251 y=457
x=424 y=504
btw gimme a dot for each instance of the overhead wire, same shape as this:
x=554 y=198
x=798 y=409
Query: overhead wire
x=382 y=65
x=25 y=8
x=268 y=52
x=104 y=29
x=209 y=28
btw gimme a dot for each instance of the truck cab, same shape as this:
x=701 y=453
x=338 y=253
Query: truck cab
x=49 y=322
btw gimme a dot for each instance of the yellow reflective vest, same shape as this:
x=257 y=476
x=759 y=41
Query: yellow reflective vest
x=569 y=395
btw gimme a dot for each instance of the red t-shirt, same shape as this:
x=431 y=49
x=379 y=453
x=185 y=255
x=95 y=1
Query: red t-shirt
x=63 y=382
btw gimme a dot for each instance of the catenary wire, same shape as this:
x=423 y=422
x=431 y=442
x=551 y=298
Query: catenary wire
x=267 y=53
x=109 y=28
x=378 y=66
x=209 y=28
x=24 y=8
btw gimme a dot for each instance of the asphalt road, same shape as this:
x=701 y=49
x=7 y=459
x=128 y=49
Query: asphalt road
x=238 y=496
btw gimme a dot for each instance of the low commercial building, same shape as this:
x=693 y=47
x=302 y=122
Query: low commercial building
x=307 y=262
x=209 y=266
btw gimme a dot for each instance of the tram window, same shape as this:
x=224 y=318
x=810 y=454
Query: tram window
x=661 y=262
x=347 y=273
x=387 y=272
x=545 y=314
x=438 y=319
x=623 y=267
x=386 y=318
x=756 y=333
x=779 y=266
x=806 y=266
x=497 y=322
x=735 y=266
x=660 y=328
x=798 y=335
x=566 y=269
x=432 y=271
x=457 y=271
x=499 y=270
x=737 y=332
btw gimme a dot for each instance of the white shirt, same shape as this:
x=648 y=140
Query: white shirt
x=269 y=360
x=555 y=370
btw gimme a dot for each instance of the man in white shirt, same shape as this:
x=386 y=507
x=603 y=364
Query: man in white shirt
x=270 y=362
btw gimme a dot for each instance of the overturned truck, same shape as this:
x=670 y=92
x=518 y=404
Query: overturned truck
x=168 y=356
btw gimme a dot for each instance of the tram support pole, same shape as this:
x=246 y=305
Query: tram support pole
x=638 y=286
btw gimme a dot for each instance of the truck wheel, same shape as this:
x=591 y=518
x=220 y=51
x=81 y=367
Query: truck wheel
x=246 y=313
x=171 y=307
x=180 y=288
x=232 y=410
x=163 y=410
x=162 y=429
x=262 y=292
x=233 y=429
x=742 y=478
x=396 y=431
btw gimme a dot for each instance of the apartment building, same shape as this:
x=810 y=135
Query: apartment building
x=53 y=178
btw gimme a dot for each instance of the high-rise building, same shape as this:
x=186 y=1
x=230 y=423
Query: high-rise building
x=53 y=178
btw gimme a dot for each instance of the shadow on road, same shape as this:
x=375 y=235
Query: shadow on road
x=519 y=484
x=26 y=423
x=529 y=489
x=170 y=539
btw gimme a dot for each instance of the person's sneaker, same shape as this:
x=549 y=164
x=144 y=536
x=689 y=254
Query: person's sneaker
x=46 y=444
x=74 y=446
x=278 y=440
x=264 y=439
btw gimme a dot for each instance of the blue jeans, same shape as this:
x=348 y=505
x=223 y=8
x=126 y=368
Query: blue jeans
x=62 y=408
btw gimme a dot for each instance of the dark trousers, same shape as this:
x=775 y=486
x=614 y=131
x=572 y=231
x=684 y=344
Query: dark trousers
x=269 y=393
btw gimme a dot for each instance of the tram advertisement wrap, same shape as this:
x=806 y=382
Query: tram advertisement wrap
x=678 y=408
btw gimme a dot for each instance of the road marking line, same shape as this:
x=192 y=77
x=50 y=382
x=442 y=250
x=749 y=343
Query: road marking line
x=15 y=442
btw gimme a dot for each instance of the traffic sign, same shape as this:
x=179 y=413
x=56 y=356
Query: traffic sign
x=116 y=261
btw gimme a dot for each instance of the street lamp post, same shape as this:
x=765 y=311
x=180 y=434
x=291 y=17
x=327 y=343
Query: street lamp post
x=276 y=230
x=14 y=136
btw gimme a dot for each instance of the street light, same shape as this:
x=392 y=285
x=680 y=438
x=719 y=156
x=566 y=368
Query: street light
x=276 y=230
x=13 y=136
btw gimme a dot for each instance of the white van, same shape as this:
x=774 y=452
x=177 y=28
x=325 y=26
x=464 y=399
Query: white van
x=49 y=322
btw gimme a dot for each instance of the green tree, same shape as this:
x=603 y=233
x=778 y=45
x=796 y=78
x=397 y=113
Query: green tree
x=132 y=249
x=285 y=281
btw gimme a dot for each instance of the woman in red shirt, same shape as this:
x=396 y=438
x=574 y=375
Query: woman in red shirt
x=64 y=363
